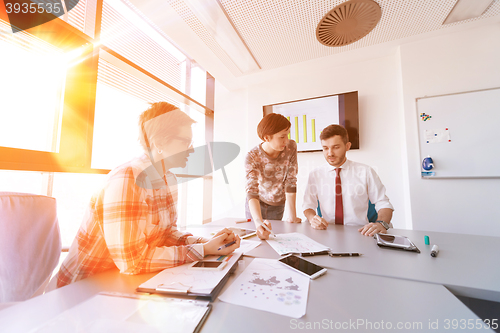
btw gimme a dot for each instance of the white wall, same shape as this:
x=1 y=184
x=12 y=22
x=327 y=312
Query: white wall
x=387 y=86
x=456 y=62
x=230 y=125
x=380 y=123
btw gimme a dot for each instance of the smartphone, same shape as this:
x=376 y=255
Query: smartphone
x=303 y=266
x=208 y=265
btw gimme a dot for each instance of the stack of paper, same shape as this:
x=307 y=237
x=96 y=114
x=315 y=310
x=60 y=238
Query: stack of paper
x=113 y=312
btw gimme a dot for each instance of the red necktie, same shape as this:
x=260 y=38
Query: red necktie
x=339 y=208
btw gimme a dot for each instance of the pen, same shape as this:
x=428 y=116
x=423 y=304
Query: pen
x=247 y=220
x=344 y=254
x=265 y=227
x=310 y=254
x=226 y=245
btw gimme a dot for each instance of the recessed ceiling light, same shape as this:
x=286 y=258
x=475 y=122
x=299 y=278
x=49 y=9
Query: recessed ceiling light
x=467 y=9
x=214 y=18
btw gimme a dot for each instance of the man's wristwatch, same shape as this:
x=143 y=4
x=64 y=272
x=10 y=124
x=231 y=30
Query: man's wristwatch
x=386 y=226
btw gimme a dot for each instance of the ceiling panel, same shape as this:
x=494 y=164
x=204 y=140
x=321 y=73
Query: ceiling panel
x=283 y=32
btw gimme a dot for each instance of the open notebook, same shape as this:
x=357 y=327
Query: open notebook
x=115 y=312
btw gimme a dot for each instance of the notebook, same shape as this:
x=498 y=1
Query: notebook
x=181 y=281
x=117 y=312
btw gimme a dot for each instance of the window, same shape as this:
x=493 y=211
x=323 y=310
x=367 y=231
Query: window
x=31 y=108
x=73 y=192
x=120 y=99
x=127 y=34
x=76 y=116
x=22 y=181
x=81 y=15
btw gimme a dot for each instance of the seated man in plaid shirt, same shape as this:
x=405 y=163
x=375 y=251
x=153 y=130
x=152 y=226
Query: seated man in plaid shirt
x=131 y=222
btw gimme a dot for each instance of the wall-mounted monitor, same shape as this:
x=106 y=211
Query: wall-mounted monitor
x=309 y=117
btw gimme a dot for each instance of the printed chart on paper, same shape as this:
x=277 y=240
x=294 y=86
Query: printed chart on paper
x=268 y=285
x=295 y=243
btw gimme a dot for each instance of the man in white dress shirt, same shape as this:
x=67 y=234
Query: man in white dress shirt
x=343 y=194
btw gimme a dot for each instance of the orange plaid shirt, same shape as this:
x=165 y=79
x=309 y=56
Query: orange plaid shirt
x=129 y=227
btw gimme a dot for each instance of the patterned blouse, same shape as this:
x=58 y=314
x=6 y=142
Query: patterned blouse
x=130 y=227
x=268 y=179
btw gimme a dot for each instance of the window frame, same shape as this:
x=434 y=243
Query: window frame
x=75 y=150
x=76 y=138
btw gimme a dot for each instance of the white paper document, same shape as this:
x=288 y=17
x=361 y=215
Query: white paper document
x=248 y=245
x=268 y=285
x=129 y=313
x=295 y=242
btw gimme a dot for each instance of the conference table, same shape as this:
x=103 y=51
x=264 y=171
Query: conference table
x=380 y=290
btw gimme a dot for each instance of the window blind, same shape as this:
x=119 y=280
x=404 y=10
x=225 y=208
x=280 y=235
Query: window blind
x=26 y=41
x=126 y=33
x=82 y=16
x=76 y=16
x=117 y=78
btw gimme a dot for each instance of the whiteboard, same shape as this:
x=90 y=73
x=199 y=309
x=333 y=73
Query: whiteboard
x=461 y=132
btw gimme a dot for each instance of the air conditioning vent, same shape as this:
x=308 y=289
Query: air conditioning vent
x=348 y=22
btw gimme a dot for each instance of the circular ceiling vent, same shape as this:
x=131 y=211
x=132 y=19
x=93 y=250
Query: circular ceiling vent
x=348 y=22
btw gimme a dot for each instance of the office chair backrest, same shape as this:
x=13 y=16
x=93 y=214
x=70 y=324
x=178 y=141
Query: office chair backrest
x=30 y=244
x=372 y=212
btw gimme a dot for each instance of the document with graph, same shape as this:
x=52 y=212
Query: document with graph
x=270 y=286
x=295 y=243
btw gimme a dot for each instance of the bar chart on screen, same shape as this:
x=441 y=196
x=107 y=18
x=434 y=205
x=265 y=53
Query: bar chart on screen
x=308 y=118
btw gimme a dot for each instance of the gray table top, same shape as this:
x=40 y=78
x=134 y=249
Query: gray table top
x=465 y=263
x=337 y=299
x=341 y=298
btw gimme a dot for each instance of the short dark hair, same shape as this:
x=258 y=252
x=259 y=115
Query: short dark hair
x=332 y=130
x=272 y=124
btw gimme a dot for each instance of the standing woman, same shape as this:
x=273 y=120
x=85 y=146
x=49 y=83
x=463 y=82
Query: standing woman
x=271 y=175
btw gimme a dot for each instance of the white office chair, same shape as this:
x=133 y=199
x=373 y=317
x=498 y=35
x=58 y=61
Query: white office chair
x=30 y=245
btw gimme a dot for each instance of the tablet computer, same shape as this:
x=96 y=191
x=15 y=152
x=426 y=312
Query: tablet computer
x=208 y=265
x=396 y=241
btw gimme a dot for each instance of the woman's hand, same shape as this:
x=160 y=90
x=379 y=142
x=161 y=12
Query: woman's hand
x=293 y=219
x=223 y=237
x=261 y=231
